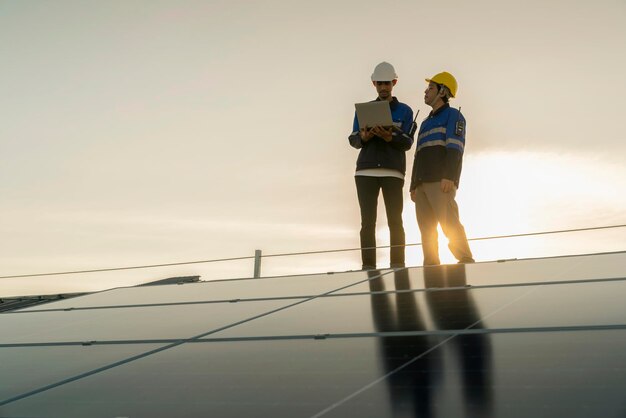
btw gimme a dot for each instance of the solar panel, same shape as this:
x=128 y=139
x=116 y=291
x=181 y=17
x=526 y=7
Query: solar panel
x=540 y=338
x=583 y=267
x=173 y=322
x=357 y=314
x=24 y=369
x=273 y=287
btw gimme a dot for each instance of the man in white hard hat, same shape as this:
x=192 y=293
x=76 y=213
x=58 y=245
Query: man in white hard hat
x=381 y=165
x=437 y=170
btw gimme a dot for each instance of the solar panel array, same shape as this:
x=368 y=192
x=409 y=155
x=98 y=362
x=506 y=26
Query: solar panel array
x=539 y=337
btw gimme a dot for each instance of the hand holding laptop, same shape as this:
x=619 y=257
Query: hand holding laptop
x=366 y=134
x=369 y=133
x=384 y=133
x=374 y=119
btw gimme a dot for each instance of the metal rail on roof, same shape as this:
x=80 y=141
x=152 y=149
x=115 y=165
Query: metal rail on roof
x=258 y=255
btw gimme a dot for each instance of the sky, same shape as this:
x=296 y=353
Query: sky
x=150 y=132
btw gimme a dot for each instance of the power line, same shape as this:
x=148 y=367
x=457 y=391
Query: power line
x=469 y=239
x=128 y=267
x=301 y=253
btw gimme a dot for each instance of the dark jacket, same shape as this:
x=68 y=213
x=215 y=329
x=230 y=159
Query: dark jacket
x=376 y=153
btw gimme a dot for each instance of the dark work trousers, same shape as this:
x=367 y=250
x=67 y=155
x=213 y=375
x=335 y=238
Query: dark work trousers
x=367 y=189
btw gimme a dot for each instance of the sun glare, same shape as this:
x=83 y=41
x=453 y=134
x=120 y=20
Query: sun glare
x=504 y=193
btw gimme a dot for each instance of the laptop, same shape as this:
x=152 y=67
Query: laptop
x=372 y=114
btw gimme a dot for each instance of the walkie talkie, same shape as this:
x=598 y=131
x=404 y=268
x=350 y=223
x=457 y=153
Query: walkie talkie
x=414 y=125
x=460 y=125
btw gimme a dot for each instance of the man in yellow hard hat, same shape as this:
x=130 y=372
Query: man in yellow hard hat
x=380 y=166
x=437 y=170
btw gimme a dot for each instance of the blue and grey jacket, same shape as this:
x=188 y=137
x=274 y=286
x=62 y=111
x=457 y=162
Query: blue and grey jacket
x=440 y=146
x=376 y=153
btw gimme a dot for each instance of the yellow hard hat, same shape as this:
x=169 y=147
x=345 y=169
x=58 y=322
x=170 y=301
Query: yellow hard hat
x=447 y=80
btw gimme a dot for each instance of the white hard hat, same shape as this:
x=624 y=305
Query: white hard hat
x=384 y=72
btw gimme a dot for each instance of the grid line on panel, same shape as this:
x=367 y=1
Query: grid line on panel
x=380 y=379
x=448 y=336
x=431 y=333
x=153 y=305
x=398 y=369
x=174 y=344
x=341 y=402
x=197 y=337
x=432 y=289
x=321 y=285
x=270 y=336
x=414 y=359
x=435 y=333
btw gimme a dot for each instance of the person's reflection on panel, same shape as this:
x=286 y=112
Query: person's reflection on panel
x=454 y=309
x=409 y=387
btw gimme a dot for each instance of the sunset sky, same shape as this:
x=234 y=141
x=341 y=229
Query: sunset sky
x=146 y=131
